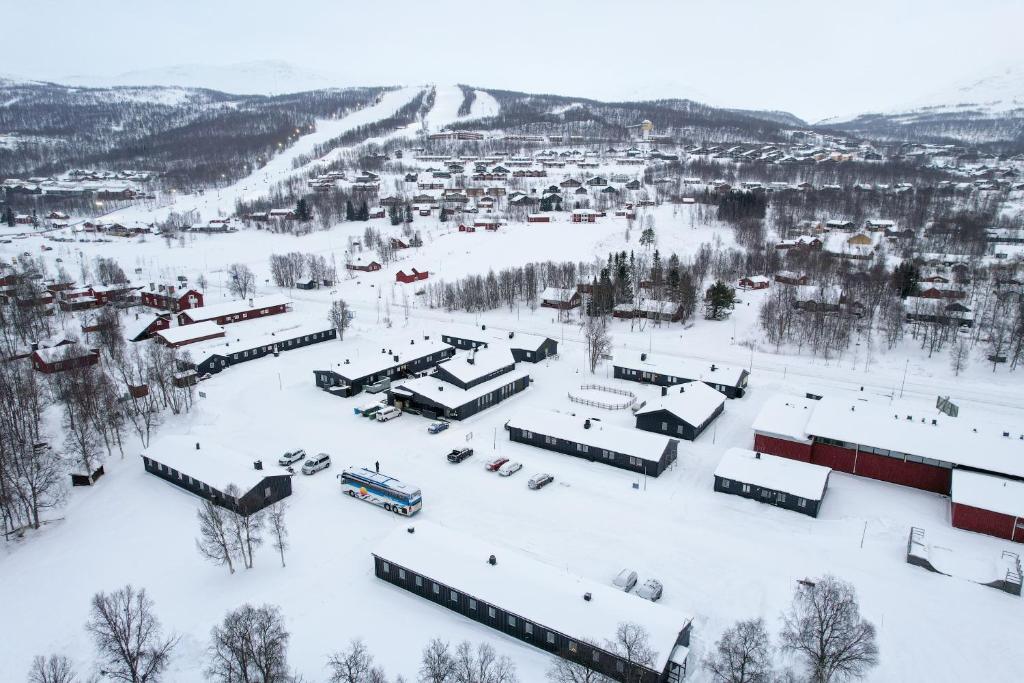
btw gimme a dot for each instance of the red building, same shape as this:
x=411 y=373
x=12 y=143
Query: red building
x=466 y=228
x=584 y=216
x=171 y=298
x=920 y=448
x=754 y=282
x=235 y=311
x=60 y=358
x=370 y=267
x=412 y=276
x=988 y=505
x=538 y=218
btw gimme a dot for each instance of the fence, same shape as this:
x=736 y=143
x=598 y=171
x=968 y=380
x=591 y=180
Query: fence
x=618 y=405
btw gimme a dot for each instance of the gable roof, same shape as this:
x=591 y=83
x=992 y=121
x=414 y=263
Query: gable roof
x=693 y=402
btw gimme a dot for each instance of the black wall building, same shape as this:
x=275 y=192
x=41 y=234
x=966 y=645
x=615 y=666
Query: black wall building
x=773 y=480
x=670 y=424
x=348 y=379
x=678 y=416
x=226 y=356
x=730 y=381
x=432 y=399
x=529 y=348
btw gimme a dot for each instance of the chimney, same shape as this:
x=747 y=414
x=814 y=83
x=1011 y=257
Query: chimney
x=492 y=560
x=250 y=303
x=587 y=597
x=713 y=367
x=757 y=455
x=586 y=423
x=664 y=391
x=643 y=356
x=411 y=530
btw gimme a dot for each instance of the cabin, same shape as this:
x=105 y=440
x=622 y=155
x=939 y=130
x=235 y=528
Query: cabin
x=235 y=311
x=370 y=267
x=147 y=325
x=593 y=440
x=412 y=276
x=682 y=412
x=788 y=277
x=670 y=370
x=584 y=216
x=784 y=483
x=171 y=298
x=349 y=377
x=65 y=357
x=988 y=505
x=182 y=335
x=561 y=299
x=207 y=468
x=754 y=282
x=466 y=228
x=215 y=354
x=525 y=347
x=533 y=601
x=650 y=309
x=538 y=218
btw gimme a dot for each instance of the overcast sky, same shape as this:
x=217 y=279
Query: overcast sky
x=813 y=58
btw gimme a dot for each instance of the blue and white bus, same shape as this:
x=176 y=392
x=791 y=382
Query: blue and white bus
x=381 y=490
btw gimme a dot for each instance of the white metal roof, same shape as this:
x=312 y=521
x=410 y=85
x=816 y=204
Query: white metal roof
x=518 y=340
x=681 y=368
x=779 y=474
x=366 y=360
x=534 y=590
x=451 y=396
x=484 y=362
x=625 y=440
x=785 y=416
x=984 y=491
x=693 y=402
x=183 y=334
x=235 y=307
x=215 y=463
x=556 y=294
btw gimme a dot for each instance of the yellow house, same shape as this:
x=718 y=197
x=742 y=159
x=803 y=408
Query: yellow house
x=860 y=240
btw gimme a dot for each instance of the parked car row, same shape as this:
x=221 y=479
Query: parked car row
x=626 y=580
x=310 y=465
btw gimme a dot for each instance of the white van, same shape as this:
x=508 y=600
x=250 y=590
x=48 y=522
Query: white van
x=385 y=414
x=319 y=462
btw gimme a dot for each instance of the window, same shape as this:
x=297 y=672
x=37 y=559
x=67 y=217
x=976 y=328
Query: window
x=419 y=582
x=573 y=647
x=781 y=498
x=472 y=604
x=664 y=426
x=528 y=627
x=726 y=483
x=581 y=448
x=266 y=491
x=746 y=488
x=437 y=589
x=551 y=440
x=454 y=597
x=527 y=435
x=511 y=621
x=765 y=493
x=620 y=666
x=491 y=612
x=679 y=429
x=385 y=567
x=595 y=655
x=401 y=574
x=801 y=502
x=551 y=637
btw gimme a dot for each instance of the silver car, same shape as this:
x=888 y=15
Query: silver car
x=291 y=457
x=625 y=580
x=650 y=590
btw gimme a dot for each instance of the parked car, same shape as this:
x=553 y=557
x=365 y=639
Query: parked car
x=321 y=462
x=509 y=468
x=457 y=455
x=625 y=580
x=495 y=465
x=389 y=413
x=438 y=427
x=539 y=481
x=650 y=590
x=291 y=456
x=378 y=386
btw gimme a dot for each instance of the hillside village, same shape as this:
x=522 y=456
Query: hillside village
x=730 y=367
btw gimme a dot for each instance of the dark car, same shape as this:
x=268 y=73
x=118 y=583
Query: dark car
x=437 y=427
x=459 y=454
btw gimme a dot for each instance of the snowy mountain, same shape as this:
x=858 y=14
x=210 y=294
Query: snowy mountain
x=989 y=109
x=267 y=77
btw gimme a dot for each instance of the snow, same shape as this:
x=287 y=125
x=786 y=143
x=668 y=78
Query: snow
x=451 y=396
x=215 y=463
x=681 y=369
x=525 y=585
x=778 y=474
x=558 y=295
x=693 y=402
x=625 y=440
x=187 y=333
x=367 y=358
x=997 y=494
x=485 y=361
x=484 y=106
x=239 y=307
x=786 y=417
x=519 y=340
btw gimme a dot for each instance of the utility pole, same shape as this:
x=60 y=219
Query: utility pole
x=905 y=368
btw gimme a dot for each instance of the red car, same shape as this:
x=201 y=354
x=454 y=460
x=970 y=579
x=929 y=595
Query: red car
x=495 y=465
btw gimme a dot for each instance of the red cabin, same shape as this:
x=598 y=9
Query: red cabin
x=412 y=276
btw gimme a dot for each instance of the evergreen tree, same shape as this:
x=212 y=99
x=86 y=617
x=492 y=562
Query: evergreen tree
x=9 y=217
x=417 y=240
x=408 y=213
x=720 y=299
x=905 y=278
x=350 y=212
x=302 y=210
x=647 y=237
x=364 y=212
x=394 y=214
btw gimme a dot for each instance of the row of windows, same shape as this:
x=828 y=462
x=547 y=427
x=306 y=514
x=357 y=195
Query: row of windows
x=511 y=620
x=897 y=455
x=766 y=493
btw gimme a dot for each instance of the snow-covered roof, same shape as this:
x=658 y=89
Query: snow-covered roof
x=625 y=440
x=556 y=294
x=252 y=334
x=927 y=433
x=681 y=368
x=693 y=402
x=53 y=354
x=534 y=590
x=183 y=334
x=451 y=396
x=984 y=491
x=484 y=362
x=779 y=474
x=757 y=278
x=518 y=340
x=234 y=307
x=215 y=463
x=785 y=416
x=366 y=360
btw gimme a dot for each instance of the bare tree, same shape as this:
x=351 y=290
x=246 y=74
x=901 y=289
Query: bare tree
x=959 y=355
x=241 y=280
x=572 y=671
x=249 y=646
x=824 y=628
x=351 y=665
x=278 y=527
x=246 y=529
x=599 y=343
x=632 y=644
x=482 y=665
x=340 y=316
x=437 y=664
x=52 y=669
x=216 y=542
x=742 y=655
x=129 y=641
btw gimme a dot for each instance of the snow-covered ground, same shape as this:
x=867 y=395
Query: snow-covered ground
x=720 y=557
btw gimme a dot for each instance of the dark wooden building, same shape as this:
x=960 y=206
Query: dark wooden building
x=671 y=370
x=531 y=348
x=590 y=439
x=537 y=603
x=207 y=468
x=349 y=377
x=221 y=354
x=683 y=412
x=785 y=483
x=432 y=397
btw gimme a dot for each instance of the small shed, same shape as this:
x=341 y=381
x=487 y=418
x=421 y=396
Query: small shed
x=785 y=483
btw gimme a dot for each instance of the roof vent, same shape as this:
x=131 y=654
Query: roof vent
x=587 y=597
x=586 y=423
x=346 y=361
x=910 y=417
x=643 y=356
x=411 y=530
x=492 y=560
x=934 y=421
x=1006 y=434
x=713 y=367
x=412 y=341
